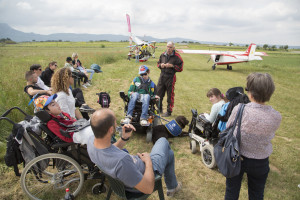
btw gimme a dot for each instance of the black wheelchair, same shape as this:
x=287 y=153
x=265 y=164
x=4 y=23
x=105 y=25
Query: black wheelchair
x=153 y=112
x=204 y=133
x=63 y=165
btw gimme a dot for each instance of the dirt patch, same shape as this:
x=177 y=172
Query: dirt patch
x=274 y=169
x=285 y=138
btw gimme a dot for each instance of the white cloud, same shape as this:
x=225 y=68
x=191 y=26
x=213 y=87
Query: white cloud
x=272 y=22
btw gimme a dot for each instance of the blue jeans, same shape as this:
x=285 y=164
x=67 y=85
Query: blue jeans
x=257 y=173
x=90 y=71
x=144 y=98
x=163 y=162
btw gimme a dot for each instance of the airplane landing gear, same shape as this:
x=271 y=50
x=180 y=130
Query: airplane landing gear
x=229 y=67
x=213 y=67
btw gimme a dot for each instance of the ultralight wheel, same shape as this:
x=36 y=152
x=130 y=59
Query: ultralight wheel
x=193 y=146
x=47 y=177
x=208 y=157
x=99 y=188
x=213 y=67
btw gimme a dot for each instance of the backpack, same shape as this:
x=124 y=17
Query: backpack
x=13 y=155
x=104 y=99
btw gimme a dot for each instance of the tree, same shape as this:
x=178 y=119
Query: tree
x=273 y=47
x=265 y=47
x=230 y=44
x=286 y=47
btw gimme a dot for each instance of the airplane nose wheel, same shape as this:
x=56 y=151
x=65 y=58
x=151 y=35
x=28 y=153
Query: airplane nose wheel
x=213 y=67
x=229 y=67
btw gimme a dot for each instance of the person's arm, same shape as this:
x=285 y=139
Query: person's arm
x=178 y=66
x=213 y=113
x=131 y=88
x=78 y=114
x=146 y=185
x=33 y=92
x=125 y=136
x=159 y=62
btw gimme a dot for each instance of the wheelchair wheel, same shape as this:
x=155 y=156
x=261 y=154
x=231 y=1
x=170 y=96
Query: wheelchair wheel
x=48 y=176
x=149 y=132
x=99 y=188
x=208 y=157
x=193 y=146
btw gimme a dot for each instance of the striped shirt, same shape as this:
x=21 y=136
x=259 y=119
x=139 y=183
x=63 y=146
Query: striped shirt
x=259 y=123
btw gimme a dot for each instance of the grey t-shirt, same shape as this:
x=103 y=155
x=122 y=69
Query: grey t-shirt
x=117 y=163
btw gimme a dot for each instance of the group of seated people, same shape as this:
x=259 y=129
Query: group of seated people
x=138 y=171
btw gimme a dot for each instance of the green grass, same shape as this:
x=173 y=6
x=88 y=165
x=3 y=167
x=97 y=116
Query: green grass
x=192 y=84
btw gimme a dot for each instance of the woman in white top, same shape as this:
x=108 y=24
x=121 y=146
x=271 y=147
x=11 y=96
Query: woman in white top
x=60 y=83
x=217 y=99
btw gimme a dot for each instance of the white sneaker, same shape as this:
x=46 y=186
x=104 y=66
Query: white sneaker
x=88 y=84
x=83 y=85
x=126 y=120
x=171 y=193
x=143 y=122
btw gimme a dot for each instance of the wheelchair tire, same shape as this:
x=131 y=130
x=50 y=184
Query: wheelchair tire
x=50 y=181
x=99 y=188
x=193 y=146
x=208 y=157
x=149 y=132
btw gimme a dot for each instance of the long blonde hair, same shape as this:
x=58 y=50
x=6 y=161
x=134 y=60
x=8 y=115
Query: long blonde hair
x=60 y=80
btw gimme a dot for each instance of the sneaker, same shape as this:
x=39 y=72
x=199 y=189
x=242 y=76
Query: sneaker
x=171 y=193
x=166 y=114
x=90 y=82
x=87 y=84
x=143 y=122
x=83 y=85
x=127 y=120
x=86 y=108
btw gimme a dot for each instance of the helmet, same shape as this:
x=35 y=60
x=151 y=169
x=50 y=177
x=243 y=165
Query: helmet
x=96 y=68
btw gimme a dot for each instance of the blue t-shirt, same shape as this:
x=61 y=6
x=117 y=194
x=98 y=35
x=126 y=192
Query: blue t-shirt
x=117 y=163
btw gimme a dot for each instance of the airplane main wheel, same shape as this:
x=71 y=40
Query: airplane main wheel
x=230 y=67
x=213 y=67
x=208 y=157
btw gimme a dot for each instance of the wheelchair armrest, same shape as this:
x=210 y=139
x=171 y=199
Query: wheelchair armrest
x=204 y=120
x=124 y=96
x=65 y=133
x=65 y=144
x=194 y=112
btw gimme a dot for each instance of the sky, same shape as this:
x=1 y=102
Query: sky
x=237 y=21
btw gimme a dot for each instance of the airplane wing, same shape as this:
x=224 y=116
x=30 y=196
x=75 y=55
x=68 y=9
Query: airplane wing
x=208 y=52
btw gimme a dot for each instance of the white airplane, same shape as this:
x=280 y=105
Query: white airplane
x=145 y=49
x=229 y=57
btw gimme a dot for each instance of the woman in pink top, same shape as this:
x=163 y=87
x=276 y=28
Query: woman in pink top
x=259 y=123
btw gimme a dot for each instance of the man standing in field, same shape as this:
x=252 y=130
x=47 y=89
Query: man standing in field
x=169 y=62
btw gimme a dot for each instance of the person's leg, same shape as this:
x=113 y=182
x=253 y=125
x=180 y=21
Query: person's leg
x=145 y=99
x=161 y=90
x=82 y=75
x=78 y=95
x=257 y=176
x=163 y=162
x=134 y=97
x=90 y=71
x=233 y=185
x=170 y=93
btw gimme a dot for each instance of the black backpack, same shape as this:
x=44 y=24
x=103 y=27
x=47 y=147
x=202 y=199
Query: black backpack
x=104 y=99
x=13 y=155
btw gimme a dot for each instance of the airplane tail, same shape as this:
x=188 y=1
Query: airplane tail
x=250 y=52
x=129 y=30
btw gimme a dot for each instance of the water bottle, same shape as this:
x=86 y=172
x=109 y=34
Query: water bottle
x=68 y=195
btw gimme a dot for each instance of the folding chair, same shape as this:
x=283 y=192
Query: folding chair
x=119 y=188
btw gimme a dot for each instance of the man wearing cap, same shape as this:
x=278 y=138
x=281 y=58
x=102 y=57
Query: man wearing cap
x=141 y=88
x=169 y=62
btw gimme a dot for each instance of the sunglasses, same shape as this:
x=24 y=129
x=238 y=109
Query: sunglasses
x=246 y=89
x=40 y=69
x=144 y=74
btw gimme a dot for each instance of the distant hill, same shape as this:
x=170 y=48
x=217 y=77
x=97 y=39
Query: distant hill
x=7 y=32
x=18 y=36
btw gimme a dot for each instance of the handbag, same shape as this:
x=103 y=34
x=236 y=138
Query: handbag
x=227 y=149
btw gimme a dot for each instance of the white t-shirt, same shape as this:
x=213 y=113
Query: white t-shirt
x=66 y=102
x=41 y=84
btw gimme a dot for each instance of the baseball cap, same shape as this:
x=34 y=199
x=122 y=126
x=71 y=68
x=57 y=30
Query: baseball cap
x=143 y=69
x=44 y=101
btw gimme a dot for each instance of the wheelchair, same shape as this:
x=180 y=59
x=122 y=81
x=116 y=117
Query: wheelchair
x=204 y=133
x=153 y=119
x=66 y=165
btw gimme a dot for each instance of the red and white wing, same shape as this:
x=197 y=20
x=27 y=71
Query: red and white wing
x=208 y=52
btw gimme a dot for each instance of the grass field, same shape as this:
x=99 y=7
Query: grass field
x=192 y=84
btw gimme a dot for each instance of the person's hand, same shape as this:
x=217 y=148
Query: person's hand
x=157 y=97
x=49 y=92
x=145 y=157
x=162 y=65
x=125 y=134
x=130 y=93
x=169 y=65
